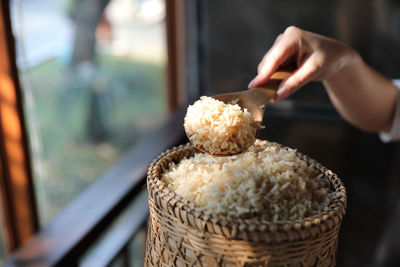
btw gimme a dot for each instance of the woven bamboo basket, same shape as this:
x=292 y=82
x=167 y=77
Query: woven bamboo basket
x=180 y=235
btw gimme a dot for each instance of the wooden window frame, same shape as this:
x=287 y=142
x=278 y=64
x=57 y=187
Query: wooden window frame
x=69 y=236
x=176 y=47
x=17 y=192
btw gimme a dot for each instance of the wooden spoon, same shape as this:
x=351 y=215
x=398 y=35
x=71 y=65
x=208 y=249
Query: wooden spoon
x=257 y=98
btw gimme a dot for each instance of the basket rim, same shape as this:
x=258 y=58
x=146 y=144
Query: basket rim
x=186 y=211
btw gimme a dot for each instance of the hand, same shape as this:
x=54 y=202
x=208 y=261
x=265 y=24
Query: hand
x=318 y=59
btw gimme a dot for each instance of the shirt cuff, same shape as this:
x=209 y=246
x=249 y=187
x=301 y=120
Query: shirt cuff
x=394 y=133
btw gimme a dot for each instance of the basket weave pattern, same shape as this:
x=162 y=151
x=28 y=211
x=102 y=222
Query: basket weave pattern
x=180 y=235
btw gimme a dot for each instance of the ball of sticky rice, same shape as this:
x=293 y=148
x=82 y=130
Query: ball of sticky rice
x=267 y=183
x=219 y=128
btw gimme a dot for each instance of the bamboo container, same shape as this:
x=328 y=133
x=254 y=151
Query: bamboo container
x=178 y=235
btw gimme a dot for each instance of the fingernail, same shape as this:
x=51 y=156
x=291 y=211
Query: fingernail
x=281 y=91
x=252 y=82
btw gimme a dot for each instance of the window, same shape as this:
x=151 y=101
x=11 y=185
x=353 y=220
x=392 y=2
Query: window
x=95 y=211
x=93 y=77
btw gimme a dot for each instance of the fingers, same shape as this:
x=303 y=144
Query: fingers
x=286 y=46
x=308 y=71
x=267 y=55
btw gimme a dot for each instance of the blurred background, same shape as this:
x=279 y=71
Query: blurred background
x=93 y=75
x=94 y=79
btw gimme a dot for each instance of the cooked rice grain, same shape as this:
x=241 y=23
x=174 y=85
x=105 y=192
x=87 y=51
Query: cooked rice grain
x=219 y=128
x=268 y=183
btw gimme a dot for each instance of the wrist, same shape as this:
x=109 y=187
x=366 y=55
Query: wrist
x=348 y=65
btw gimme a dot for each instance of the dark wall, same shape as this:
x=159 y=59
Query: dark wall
x=240 y=32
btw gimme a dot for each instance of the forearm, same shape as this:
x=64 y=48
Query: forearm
x=362 y=96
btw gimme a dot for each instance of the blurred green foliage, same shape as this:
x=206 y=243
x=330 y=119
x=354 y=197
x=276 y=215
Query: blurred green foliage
x=132 y=101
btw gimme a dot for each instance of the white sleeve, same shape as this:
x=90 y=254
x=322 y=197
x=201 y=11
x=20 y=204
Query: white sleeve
x=394 y=133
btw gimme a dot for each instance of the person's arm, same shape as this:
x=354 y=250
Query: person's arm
x=360 y=94
x=363 y=96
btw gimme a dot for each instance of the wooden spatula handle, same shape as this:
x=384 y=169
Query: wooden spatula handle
x=277 y=77
x=282 y=73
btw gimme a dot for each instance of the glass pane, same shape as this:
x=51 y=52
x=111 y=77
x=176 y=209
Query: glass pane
x=93 y=78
